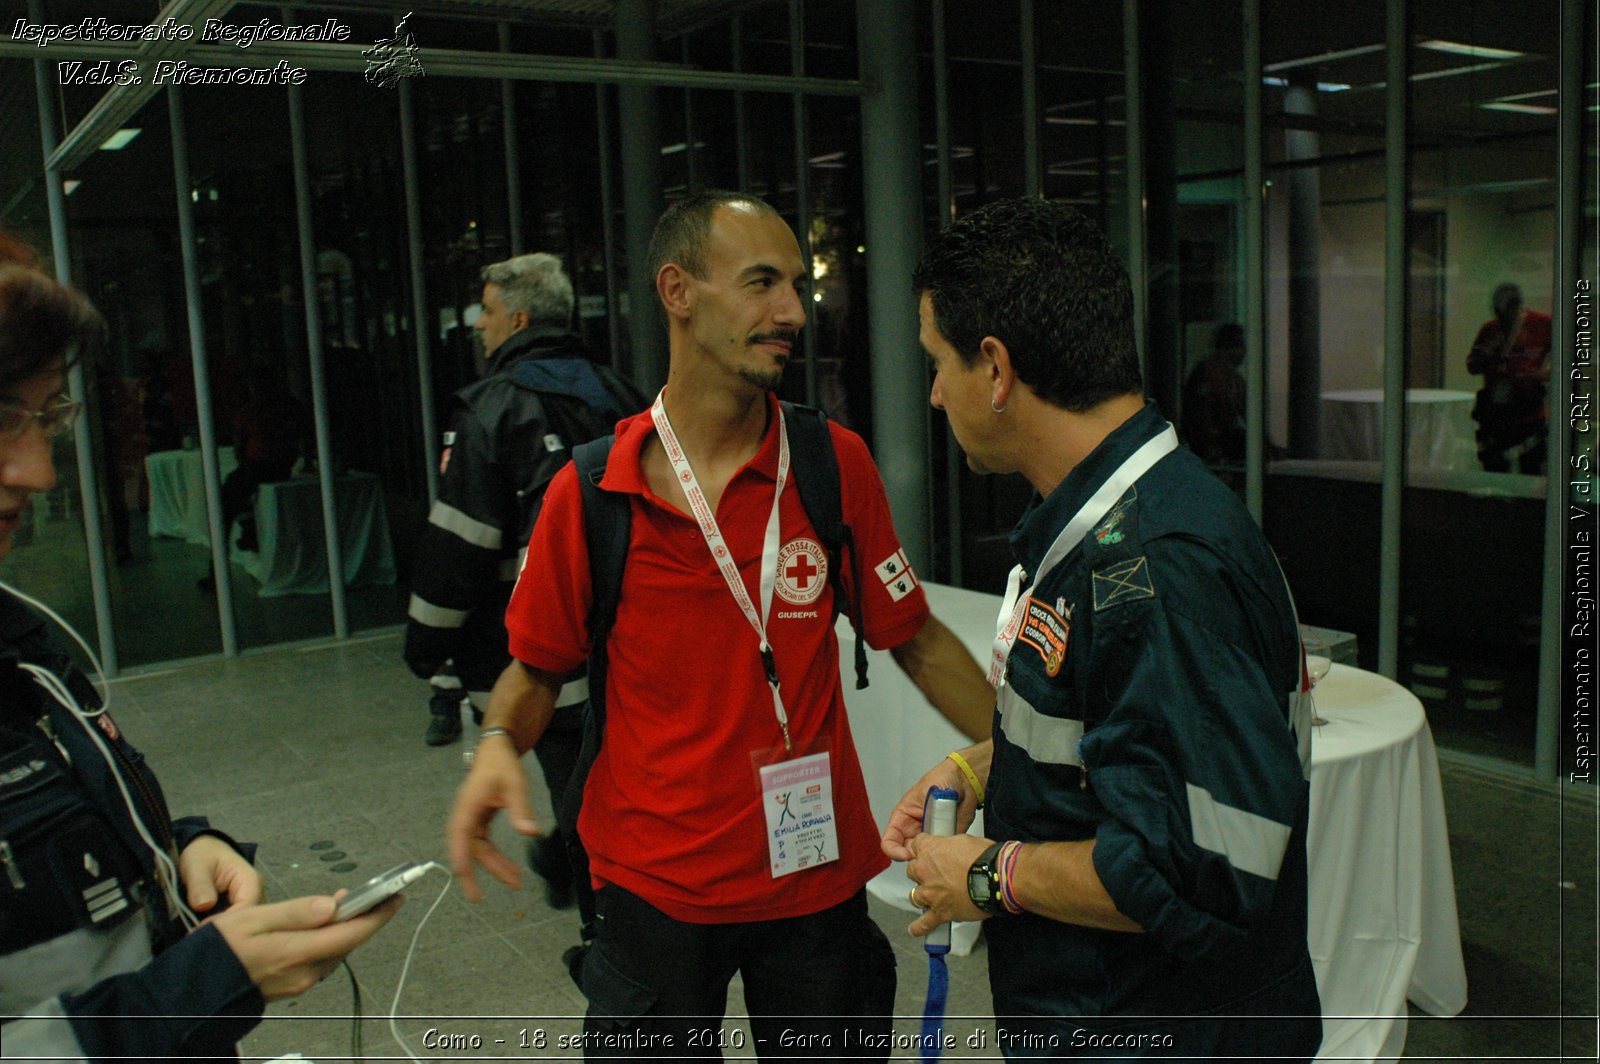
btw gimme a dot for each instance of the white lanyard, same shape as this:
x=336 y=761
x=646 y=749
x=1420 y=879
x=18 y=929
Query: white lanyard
x=719 y=547
x=1015 y=606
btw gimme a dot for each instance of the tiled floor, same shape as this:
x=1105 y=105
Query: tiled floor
x=315 y=752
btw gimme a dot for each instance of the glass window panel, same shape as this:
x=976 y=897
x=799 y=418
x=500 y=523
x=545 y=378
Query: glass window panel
x=1207 y=63
x=128 y=261
x=250 y=299
x=1081 y=142
x=364 y=293
x=1483 y=154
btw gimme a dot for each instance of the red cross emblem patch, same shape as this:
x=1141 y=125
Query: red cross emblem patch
x=802 y=571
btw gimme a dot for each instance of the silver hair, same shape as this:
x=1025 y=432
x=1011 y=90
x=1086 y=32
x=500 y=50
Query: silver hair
x=534 y=284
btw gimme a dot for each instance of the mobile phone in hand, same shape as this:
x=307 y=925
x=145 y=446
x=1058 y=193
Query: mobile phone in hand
x=379 y=888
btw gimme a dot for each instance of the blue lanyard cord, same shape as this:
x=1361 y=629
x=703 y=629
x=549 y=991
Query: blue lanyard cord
x=938 y=818
x=933 y=1008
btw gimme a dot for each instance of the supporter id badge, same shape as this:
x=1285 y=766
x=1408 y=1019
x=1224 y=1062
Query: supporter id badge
x=797 y=798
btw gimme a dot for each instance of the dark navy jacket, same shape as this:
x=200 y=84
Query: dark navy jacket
x=511 y=432
x=77 y=978
x=1146 y=707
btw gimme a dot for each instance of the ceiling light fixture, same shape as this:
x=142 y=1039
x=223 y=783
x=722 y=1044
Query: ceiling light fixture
x=120 y=139
x=1451 y=72
x=1474 y=51
x=1325 y=57
x=1518 y=108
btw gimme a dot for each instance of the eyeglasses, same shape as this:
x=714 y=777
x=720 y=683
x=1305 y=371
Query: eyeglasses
x=54 y=419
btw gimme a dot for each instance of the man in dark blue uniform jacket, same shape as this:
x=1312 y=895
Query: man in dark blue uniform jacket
x=1144 y=790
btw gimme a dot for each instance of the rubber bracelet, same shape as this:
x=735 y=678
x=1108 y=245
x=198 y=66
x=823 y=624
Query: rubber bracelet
x=972 y=777
x=1008 y=865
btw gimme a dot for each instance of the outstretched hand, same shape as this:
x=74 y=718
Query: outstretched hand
x=496 y=782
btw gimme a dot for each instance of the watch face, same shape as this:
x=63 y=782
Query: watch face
x=983 y=882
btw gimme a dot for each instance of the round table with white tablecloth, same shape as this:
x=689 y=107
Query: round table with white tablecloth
x=178 y=492
x=1383 y=924
x=1440 y=432
x=292 y=558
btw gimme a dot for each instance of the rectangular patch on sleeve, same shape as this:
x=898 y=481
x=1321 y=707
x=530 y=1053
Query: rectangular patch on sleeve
x=892 y=566
x=1126 y=581
x=1046 y=631
x=896 y=574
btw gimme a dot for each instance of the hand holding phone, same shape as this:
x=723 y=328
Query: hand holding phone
x=286 y=947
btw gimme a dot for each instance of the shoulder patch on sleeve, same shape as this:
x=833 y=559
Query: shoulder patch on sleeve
x=1108 y=532
x=895 y=572
x=1122 y=582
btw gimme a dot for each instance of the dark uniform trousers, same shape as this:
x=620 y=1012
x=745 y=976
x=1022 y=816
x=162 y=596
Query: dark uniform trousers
x=813 y=985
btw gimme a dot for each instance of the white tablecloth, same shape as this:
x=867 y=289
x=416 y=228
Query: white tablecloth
x=1382 y=895
x=293 y=554
x=1440 y=432
x=178 y=492
x=899 y=736
x=1383 y=903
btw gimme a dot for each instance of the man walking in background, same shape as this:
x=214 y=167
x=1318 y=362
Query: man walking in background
x=509 y=434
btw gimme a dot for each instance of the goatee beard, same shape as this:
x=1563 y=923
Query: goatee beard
x=766 y=380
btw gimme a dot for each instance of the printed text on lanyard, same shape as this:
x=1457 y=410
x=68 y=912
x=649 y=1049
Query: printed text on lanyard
x=723 y=556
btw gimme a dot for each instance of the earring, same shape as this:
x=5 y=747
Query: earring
x=996 y=409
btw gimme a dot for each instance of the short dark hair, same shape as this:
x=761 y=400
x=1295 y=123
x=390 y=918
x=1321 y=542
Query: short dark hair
x=683 y=233
x=1507 y=299
x=1043 y=279
x=43 y=325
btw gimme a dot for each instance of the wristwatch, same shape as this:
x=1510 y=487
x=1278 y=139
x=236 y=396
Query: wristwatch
x=983 y=881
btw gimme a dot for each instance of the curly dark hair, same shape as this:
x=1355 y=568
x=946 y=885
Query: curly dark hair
x=43 y=325
x=1043 y=279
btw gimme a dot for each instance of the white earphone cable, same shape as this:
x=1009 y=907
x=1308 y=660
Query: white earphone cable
x=166 y=868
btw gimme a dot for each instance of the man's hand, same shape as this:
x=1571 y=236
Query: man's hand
x=209 y=868
x=496 y=782
x=287 y=947
x=938 y=871
x=905 y=823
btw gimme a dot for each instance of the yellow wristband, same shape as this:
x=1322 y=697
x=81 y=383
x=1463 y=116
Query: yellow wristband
x=972 y=777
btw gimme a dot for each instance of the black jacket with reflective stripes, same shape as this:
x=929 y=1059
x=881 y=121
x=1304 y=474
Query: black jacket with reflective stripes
x=510 y=433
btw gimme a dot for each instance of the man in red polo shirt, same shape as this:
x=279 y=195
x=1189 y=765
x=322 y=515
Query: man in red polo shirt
x=726 y=818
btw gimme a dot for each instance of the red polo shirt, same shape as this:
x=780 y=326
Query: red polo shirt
x=672 y=811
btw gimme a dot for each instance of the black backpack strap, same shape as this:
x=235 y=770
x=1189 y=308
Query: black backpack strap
x=816 y=472
x=607 y=527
